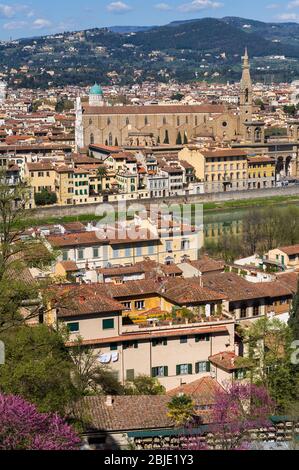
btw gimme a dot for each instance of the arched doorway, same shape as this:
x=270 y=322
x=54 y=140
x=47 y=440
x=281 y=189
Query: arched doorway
x=288 y=166
x=280 y=167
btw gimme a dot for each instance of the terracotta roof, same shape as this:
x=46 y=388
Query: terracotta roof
x=147 y=335
x=203 y=390
x=69 y=266
x=84 y=302
x=206 y=264
x=75 y=239
x=155 y=109
x=225 y=360
x=40 y=166
x=253 y=160
x=126 y=413
x=225 y=153
x=233 y=286
x=290 y=250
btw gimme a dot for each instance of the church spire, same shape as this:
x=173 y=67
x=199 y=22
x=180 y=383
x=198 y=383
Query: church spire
x=246 y=92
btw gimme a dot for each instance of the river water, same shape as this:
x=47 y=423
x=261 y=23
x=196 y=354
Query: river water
x=231 y=221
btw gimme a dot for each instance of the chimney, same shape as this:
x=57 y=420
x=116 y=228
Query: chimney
x=109 y=400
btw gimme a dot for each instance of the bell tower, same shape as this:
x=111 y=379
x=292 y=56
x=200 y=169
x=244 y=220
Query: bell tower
x=246 y=95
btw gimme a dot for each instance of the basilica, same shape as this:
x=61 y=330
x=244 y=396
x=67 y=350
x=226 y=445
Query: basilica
x=160 y=125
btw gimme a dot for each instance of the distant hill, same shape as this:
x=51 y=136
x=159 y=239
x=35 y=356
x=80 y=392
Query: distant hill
x=128 y=29
x=198 y=49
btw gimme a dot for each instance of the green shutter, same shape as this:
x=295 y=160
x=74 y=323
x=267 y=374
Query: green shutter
x=154 y=372
x=165 y=371
x=208 y=366
x=178 y=370
x=190 y=369
x=196 y=368
x=108 y=324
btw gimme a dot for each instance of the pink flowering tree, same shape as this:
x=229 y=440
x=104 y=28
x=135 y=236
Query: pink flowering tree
x=240 y=408
x=22 y=427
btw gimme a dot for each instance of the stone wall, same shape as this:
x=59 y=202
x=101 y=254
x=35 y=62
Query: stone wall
x=83 y=209
x=285 y=432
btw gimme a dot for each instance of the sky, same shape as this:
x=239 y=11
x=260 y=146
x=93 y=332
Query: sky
x=38 y=17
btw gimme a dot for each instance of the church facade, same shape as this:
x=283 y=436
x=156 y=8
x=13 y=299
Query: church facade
x=98 y=123
x=150 y=126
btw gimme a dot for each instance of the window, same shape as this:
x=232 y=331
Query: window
x=184 y=369
x=113 y=347
x=202 y=366
x=73 y=327
x=108 y=324
x=91 y=139
x=161 y=371
x=185 y=245
x=96 y=253
x=130 y=345
x=80 y=254
x=127 y=306
x=240 y=374
x=116 y=253
x=130 y=375
x=256 y=310
x=139 y=304
x=139 y=251
x=159 y=342
x=199 y=338
x=151 y=249
x=146 y=121
x=168 y=245
x=65 y=255
x=128 y=252
x=243 y=312
x=184 y=339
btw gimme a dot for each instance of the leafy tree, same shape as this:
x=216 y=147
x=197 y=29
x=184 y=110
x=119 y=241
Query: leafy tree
x=269 y=361
x=37 y=367
x=177 y=97
x=181 y=409
x=290 y=109
x=45 y=198
x=89 y=376
x=102 y=171
x=294 y=316
x=23 y=427
x=144 y=385
x=16 y=292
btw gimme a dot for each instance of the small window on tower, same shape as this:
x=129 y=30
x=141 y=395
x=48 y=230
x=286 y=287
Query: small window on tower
x=246 y=95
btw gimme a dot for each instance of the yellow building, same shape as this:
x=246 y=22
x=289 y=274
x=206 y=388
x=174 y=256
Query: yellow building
x=261 y=172
x=220 y=169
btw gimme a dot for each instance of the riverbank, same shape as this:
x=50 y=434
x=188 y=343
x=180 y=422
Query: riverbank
x=209 y=208
x=250 y=203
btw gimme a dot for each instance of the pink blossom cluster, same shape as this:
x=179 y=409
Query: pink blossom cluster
x=23 y=427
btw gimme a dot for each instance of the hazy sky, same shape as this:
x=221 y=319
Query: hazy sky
x=38 y=17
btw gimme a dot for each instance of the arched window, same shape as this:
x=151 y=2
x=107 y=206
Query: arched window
x=110 y=139
x=178 y=121
x=246 y=95
x=196 y=120
x=90 y=121
x=127 y=121
x=108 y=121
x=146 y=121
x=187 y=120
x=91 y=138
x=164 y=121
